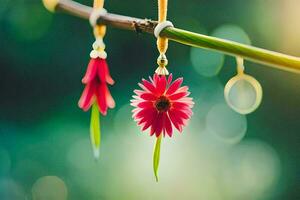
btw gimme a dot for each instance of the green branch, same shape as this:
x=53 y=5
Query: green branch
x=254 y=54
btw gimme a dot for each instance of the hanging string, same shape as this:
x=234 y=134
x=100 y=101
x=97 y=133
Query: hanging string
x=162 y=42
x=99 y=30
x=240 y=65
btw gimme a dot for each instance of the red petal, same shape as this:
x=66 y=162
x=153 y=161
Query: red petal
x=149 y=120
x=181 y=114
x=187 y=100
x=180 y=105
x=145 y=104
x=148 y=97
x=91 y=71
x=144 y=113
x=101 y=99
x=143 y=120
x=101 y=65
x=183 y=89
x=138 y=92
x=153 y=126
x=168 y=125
x=179 y=95
x=155 y=79
x=177 y=122
x=108 y=78
x=149 y=86
x=170 y=79
x=86 y=99
x=109 y=99
x=175 y=86
x=161 y=85
x=159 y=125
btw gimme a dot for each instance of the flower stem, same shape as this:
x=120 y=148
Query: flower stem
x=156 y=156
x=254 y=54
x=95 y=133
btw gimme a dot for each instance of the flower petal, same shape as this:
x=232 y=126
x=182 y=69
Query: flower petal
x=153 y=126
x=174 y=86
x=177 y=122
x=86 y=99
x=150 y=87
x=138 y=92
x=168 y=126
x=145 y=104
x=161 y=85
x=108 y=78
x=181 y=114
x=155 y=79
x=148 y=96
x=91 y=71
x=149 y=120
x=101 y=99
x=179 y=95
x=180 y=105
x=101 y=65
x=159 y=125
x=170 y=78
x=109 y=99
x=144 y=113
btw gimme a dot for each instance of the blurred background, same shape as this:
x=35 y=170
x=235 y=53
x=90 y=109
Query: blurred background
x=45 y=151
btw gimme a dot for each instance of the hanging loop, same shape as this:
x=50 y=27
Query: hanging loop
x=161 y=26
x=243 y=93
x=98 y=11
x=95 y=15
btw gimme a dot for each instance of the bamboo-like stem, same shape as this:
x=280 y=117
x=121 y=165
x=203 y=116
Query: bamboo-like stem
x=254 y=54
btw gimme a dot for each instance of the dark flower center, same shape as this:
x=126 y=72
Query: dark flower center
x=162 y=104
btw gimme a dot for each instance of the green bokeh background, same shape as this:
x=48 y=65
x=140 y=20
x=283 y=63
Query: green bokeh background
x=43 y=132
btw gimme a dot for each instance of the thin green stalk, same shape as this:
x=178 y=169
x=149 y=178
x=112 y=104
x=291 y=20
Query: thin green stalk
x=156 y=156
x=95 y=133
x=258 y=55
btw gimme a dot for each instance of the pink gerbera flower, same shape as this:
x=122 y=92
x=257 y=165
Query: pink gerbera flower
x=96 y=78
x=162 y=105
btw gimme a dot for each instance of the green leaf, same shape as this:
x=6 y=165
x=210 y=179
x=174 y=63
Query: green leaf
x=95 y=132
x=156 y=156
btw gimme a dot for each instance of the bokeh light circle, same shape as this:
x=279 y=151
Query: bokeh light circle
x=233 y=33
x=206 y=63
x=27 y=171
x=243 y=93
x=253 y=170
x=11 y=190
x=29 y=21
x=226 y=124
x=49 y=187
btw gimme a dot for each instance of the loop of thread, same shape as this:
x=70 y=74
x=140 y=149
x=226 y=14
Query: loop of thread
x=95 y=15
x=161 y=26
x=98 y=11
x=162 y=43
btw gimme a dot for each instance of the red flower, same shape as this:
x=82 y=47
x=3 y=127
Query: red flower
x=96 y=78
x=161 y=105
